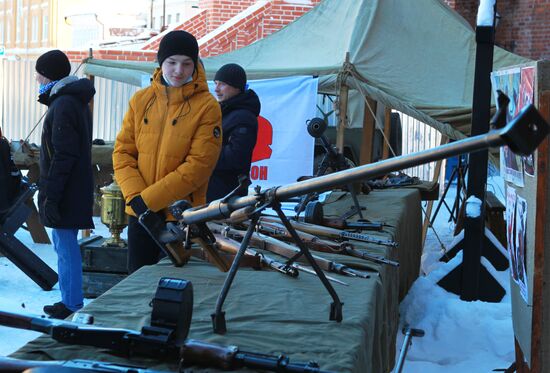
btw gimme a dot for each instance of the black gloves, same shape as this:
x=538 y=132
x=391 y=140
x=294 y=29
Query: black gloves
x=138 y=205
x=51 y=212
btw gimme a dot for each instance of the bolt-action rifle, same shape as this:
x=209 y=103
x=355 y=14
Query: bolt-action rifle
x=332 y=232
x=288 y=251
x=232 y=247
x=157 y=342
x=290 y=269
x=277 y=230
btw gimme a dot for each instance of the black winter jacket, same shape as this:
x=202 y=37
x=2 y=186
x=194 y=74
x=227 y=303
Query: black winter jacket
x=240 y=130
x=65 y=154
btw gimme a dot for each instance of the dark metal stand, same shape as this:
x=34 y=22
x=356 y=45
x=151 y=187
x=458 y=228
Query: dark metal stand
x=459 y=172
x=15 y=250
x=333 y=160
x=218 y=318
x=471 y=280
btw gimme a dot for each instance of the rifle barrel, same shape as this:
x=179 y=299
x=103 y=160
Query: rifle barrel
x=523 y=134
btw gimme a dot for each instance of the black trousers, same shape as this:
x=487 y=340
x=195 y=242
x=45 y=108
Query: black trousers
x=142 y=250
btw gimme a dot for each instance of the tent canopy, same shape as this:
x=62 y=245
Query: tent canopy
x=417 y=57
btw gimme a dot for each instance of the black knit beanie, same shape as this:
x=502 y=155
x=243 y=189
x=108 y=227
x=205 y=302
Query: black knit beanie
x=178 y=42
x=53 y=65
x=233 y=75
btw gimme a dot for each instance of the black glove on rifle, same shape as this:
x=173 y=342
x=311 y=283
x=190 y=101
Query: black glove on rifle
x=51 y=212
x=138 y=205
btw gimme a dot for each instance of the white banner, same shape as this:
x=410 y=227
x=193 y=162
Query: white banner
x=284 y=149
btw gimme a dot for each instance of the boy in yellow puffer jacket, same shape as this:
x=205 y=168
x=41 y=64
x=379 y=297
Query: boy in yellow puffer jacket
x=169 y=142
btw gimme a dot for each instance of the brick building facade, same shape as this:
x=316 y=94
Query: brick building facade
x=523 y=28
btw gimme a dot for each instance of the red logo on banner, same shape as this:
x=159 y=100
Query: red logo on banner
x=262 y=150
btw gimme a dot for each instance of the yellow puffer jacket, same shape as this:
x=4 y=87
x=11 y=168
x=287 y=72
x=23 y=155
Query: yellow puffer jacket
x=169 y=143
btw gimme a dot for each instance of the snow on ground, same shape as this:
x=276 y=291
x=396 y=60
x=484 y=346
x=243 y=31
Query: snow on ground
x=459 y=336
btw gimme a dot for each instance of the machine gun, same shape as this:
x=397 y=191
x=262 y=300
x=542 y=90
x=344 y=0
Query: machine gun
x=333 y=160
x=522 y=135
x=165 y=338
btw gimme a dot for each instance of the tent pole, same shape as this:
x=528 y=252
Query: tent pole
x=87 y=232
x=387 y=132
x=342 y=112
x=365 y=156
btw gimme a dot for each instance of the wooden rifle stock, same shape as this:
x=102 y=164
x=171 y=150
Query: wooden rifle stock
x=318 y=244
x=331 y=232
x=230 y=246
x=289 y=251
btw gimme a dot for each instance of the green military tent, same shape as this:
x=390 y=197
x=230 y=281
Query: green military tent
x=414 y=56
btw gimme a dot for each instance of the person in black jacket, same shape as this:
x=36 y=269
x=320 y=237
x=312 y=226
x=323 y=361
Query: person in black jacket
x=240 y=109
x=65 y=197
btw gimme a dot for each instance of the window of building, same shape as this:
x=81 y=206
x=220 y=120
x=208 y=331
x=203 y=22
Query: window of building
x=169 y=19
x=17 y=31
x=153 y=23
x=8 y=31
x=177 y=17
x=25 y=28
x=34 y=30
x=45 y=28
x=2 y=41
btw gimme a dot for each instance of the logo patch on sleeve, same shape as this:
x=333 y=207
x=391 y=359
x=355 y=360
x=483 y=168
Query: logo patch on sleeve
x=217 y=132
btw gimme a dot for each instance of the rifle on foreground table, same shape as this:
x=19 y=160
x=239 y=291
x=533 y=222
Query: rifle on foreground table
x=232 y=247
x=8 y=365
x=277 y=230
x=156 y=342
x=332 y=232
x=288 y=251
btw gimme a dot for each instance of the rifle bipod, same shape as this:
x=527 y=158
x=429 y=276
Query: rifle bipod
x=218 y=318
x=336 y=305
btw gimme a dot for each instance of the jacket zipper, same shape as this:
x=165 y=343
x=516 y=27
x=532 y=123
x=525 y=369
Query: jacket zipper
x=159 y=141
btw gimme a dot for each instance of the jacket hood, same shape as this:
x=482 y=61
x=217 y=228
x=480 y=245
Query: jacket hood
x=83 y=89
x=247 y=100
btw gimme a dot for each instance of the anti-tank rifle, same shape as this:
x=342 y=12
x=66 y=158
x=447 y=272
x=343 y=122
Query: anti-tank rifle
x=522 y=135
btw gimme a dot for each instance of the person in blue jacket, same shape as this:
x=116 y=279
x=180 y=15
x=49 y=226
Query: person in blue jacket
x=65 y=196
x=240 y=109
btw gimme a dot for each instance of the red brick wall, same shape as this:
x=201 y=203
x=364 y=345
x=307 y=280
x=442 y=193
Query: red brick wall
x=196 y=25
x=283 y=13
x=267 y=19
x=219 y=11
x=524 y=26
x=78 y=56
